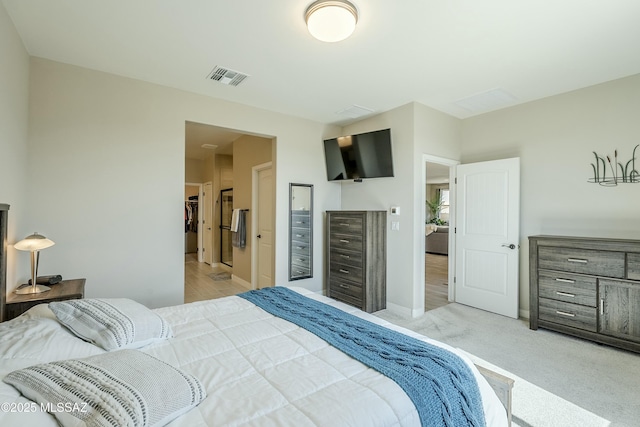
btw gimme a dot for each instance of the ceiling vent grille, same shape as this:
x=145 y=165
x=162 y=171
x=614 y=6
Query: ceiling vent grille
x=227 y=76
x=490 y=100
x=355 y=111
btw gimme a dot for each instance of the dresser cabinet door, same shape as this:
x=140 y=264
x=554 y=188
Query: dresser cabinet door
x=620 y=309
x=633 y=266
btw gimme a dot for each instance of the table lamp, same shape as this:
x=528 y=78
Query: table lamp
x=33 y=243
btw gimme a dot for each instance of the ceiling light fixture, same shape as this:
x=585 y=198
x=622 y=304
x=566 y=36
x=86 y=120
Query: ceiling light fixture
x=331 y=20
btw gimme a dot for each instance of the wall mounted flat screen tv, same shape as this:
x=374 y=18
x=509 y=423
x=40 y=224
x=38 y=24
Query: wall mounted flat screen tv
x=366 y=155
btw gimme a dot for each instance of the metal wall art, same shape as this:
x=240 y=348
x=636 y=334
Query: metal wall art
x=617 y=172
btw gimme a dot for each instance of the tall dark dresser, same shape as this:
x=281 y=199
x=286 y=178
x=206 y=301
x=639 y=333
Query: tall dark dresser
x=356 y=266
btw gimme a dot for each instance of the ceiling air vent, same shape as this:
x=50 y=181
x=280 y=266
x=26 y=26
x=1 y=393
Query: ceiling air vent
x=490 y=100
x=355 y=111
x=227 y=76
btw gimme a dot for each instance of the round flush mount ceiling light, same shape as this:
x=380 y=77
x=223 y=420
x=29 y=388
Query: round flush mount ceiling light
x=331 y=20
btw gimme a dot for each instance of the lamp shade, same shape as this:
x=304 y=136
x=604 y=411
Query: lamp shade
x=34 y=242
x=331 y=20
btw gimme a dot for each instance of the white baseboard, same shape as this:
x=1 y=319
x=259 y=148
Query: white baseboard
x=241 y=282
x=403 y=311
x=225 y=267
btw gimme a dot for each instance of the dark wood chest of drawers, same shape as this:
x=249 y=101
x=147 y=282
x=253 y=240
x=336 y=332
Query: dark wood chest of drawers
x=356 y=266
x=586 y=287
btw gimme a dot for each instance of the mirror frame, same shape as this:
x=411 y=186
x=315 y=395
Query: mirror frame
x=309 y=249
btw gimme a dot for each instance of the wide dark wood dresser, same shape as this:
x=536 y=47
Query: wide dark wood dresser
x=586 y=287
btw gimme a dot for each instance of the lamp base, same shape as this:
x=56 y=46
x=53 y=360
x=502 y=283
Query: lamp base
x=30 y=289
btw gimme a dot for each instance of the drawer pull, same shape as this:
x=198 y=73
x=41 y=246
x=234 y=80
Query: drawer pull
x=299 y=222
x=299 y=247
x=602 y=307
x=565 y=294
x=301 y=259
x=299 y=235
x=344 y=224
x=345 y=256
x=578 y=260
x=564 y=313
x=344 y=241
x=343 y=286
x=559 y=279
x=342 y=270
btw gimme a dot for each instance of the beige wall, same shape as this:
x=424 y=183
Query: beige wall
x=118 y=182
x=415 y=129
x=194 y=171
x=208 y=169
x=190 y=190
x=248 y=151
x=118 y=149
x=14 y=119
x=555 y=138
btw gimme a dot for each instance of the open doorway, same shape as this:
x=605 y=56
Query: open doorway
x=223 y=159
x=192 y=221
x=438 y=215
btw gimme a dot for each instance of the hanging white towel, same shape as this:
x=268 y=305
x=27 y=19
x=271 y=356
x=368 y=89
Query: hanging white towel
x=235 y=216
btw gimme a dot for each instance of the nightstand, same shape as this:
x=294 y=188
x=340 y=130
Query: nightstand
x=65 y=290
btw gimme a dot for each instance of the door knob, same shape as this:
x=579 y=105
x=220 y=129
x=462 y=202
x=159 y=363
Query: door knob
x=259 y=236
x=511 y=246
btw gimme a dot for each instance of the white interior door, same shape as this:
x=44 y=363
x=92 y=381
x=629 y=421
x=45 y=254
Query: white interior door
x=487 y=235
x=207 y=223
x=265 y=228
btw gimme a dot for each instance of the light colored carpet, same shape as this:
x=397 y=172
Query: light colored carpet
x=560 y=381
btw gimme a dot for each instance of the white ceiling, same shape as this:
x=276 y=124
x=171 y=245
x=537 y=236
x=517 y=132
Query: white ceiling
x=198 y=134
x=441 y=53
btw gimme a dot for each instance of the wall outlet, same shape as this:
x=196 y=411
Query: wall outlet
x=395 y=226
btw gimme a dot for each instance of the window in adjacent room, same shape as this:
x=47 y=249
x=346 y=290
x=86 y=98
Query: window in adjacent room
x=444 y=205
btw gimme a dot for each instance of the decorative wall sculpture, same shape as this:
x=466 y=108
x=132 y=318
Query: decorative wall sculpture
x=611 y=172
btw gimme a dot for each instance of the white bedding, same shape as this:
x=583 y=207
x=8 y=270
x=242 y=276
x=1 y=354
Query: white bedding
x=257 y=369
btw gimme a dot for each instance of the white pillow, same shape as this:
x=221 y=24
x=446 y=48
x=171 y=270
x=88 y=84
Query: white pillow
x=112 y=323
x=122 y=388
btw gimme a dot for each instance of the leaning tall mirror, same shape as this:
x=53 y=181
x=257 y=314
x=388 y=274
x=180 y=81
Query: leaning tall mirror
x=300 y=231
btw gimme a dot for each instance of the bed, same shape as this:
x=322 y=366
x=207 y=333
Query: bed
x=247 y=366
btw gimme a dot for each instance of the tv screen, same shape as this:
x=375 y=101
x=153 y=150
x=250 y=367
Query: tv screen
x=366 y=155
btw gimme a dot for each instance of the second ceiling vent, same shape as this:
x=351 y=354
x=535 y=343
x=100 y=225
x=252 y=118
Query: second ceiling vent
x=227 y=76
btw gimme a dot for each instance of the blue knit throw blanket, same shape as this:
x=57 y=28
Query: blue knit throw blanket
x=440 y=384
